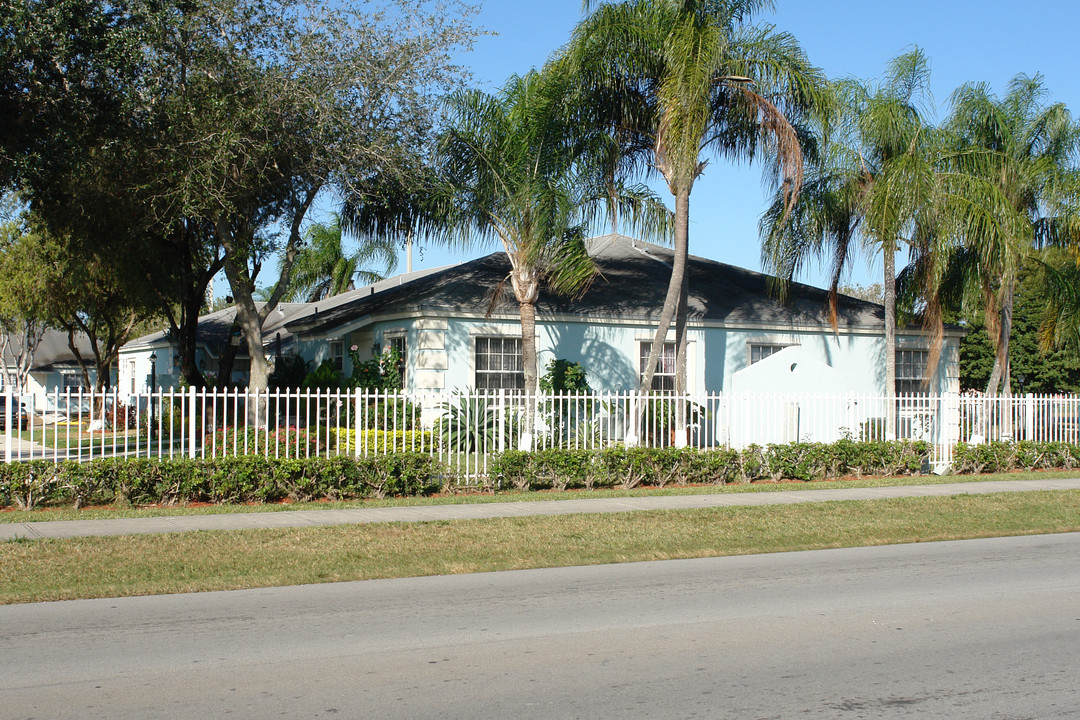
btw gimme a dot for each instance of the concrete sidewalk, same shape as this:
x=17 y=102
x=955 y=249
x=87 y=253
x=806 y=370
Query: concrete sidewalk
x=475 y=511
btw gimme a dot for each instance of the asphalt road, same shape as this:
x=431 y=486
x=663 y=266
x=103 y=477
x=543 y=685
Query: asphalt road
x=971 y=629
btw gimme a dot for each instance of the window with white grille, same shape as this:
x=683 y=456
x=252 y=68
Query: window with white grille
x=664 y=377
x=397 y=343
x=911 y=371
x=760 y=351
x=337 y=355
x=499 y=364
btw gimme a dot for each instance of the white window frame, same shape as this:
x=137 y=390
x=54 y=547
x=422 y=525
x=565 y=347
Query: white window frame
x=337 y=354
x=911 y=365
x=758 y=347
x=72 y=380
x=665 y=366
x=398 y=340
x=515 y=352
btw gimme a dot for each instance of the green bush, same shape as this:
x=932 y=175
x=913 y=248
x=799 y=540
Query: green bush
x=630 y=467
x=1001 y=456
x=513 y=468
x=254 y=478
x=241 y=479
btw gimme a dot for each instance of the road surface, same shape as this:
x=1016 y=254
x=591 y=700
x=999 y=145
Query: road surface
x=971 y=629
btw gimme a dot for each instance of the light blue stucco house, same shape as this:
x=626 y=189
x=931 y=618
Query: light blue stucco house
x=136 y=370
x=454 y=336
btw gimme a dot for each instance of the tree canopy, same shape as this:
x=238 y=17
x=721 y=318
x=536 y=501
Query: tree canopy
x=678 y=81
x=208 y=127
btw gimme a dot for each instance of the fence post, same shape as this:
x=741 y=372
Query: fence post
x=8 y=415
x=633 y=419
x=1029 y=409
x=357 y=405
x=192 y=423
x=502 y=420
x=950 y=430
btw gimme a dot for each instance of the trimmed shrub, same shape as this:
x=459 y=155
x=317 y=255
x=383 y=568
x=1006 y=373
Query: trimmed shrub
x=241 y=479
x=630 y=467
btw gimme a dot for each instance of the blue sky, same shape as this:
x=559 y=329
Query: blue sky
x=966 y=40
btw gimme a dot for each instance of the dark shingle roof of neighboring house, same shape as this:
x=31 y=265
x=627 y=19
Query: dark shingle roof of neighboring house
x=631 y=285
x=214 y=329
x=53 y=351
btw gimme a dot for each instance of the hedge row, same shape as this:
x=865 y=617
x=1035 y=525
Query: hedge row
x=244 y=479
x=1004 y=456
x=253 y=478
x=630 y=467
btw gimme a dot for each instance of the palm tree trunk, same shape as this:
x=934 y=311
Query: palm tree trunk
x=1000 y=374
x=527 y=290
x=995 y=375
x=681 y=438
x=1006 y=333
x=889 y=252
x=674 y=291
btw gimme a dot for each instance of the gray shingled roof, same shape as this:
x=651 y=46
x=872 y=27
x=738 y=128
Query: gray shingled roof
x=214 y=329
x=53 y=350
x=631 y=285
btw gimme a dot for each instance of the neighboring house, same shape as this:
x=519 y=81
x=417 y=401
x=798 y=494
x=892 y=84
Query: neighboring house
x=453 y=334
x=215 y=331
x=56 y=367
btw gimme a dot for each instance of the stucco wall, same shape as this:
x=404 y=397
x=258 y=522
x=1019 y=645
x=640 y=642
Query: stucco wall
x=440 y=352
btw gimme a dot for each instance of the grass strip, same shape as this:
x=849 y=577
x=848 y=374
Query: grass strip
x=41 y=570
x=48 y=514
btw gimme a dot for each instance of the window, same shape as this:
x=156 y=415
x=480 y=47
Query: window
x=72 y=380
x=911 y=371
x=398 y=344
x=499 y=364
x=760 y=351
x=337 y=355
x=664 y=377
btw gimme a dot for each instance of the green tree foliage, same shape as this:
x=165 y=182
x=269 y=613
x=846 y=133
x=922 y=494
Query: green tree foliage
x=1024 y=150
x=868 y=185
x=1034 y=369
x=24 y=309
x=302 y=98
x=77 y=287
x=564 y=376
x=519 y=166
x=679 y=80
x=325 y=267
x=212 y=125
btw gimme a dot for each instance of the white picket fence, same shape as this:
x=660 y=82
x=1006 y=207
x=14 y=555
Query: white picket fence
x=465 y=429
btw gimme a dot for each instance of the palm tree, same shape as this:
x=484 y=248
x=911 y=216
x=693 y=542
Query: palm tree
x=873 y=183
x=678 y=80
x=1024 y=150
x=519 y=166
x=324 y=267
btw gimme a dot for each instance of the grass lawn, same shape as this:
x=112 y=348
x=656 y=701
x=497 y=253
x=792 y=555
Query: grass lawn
x=76 y=438
x=36 y=570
